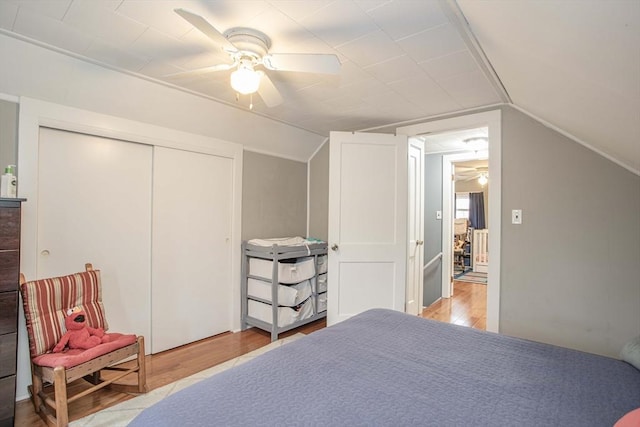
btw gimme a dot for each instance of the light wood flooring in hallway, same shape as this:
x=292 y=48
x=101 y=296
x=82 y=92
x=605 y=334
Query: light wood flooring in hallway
x=467 y=307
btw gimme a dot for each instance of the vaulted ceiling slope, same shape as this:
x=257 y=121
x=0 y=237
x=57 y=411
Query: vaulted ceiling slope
x=573 y=64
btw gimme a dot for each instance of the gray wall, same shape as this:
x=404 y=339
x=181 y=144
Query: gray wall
x=319 y=194
x=432 y=227
x=8 y=134
x=274 y=197
x=571 y=271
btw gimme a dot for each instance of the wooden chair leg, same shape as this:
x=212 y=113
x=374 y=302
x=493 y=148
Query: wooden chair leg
x=36 y=389
x=142 y=367
x=60 y=390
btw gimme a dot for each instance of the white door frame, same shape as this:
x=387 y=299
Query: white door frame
x=492 y=120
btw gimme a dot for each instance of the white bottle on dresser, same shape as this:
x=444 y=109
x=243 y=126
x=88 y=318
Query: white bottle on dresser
x=8 y=186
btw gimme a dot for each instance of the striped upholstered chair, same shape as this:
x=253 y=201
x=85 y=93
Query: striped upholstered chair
x=46 y=302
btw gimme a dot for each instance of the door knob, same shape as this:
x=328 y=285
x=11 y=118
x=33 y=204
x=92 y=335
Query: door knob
x=419 y=242
x=334 y=247
x=44 y=253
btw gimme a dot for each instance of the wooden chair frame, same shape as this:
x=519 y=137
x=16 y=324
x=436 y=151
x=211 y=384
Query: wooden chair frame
x=54 y=411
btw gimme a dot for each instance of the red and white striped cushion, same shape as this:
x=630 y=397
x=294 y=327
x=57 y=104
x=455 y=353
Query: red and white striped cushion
x=46 y=302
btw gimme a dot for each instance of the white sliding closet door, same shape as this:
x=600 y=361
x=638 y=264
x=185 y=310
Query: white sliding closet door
x=94 y=205
x=191 y=252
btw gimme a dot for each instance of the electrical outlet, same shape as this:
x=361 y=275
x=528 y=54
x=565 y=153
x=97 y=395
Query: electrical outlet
x=438 y=214
x=516 y=216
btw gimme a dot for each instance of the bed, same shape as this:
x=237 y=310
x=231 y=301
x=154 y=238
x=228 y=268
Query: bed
x=387 y=368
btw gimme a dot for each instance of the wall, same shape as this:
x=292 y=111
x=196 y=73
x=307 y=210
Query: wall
x=432 y=227
x=570 y=272
x=274 y=197
x=39 y=73
x=8 y=134
x=319 y=194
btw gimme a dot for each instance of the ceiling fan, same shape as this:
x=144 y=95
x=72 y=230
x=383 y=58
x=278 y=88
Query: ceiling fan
x=469 y=173
x=249 y=48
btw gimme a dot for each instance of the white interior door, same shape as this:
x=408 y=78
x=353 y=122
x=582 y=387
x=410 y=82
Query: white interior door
x=367 y=223
x=192 y=219
x=415 y=277
x=94 y=205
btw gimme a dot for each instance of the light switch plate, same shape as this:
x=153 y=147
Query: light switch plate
x=516 y=216
x=438 y=214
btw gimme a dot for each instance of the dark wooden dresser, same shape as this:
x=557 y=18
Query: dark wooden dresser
x=9 y=282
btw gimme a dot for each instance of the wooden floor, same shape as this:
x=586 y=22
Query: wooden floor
x=467 y=307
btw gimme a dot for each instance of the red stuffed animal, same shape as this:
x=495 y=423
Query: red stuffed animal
x=78 y=334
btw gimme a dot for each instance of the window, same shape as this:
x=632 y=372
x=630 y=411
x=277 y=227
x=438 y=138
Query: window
x=462 y=205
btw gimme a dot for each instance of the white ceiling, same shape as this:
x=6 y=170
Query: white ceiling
x=460 y=140
x=471 y=170
x=574 y=64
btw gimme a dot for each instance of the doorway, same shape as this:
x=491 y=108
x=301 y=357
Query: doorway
x=491 y=122
x=453 y=233
x=470 y=230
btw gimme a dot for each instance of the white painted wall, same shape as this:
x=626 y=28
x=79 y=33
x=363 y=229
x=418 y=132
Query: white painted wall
x=36 y=72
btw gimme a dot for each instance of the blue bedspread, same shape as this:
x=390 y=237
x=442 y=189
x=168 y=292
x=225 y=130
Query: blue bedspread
x=384 y=368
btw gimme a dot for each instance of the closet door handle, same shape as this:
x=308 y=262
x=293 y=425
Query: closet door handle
x=334 y=247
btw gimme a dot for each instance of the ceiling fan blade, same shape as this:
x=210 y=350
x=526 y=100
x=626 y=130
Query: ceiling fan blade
x=464 y=168
x=205 y=70
x=268 y=92
x=207 y=29
x=303 y=62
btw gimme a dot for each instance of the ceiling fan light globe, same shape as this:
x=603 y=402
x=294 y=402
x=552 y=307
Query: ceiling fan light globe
x=245 y=80
x=483 y=180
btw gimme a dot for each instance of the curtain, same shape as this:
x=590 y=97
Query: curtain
x=476 y=210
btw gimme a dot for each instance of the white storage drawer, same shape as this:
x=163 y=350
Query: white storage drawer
x=286 y=315
x=323 y=260
x=291 y=295
x=302 y=269
x=322 y=303
x=321 y=284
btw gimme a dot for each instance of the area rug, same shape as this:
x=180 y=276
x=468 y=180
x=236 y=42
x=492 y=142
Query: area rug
x=473 y=277
x=123 y=413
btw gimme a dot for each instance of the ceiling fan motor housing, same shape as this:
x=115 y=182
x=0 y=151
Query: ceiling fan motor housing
x=250 y=43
